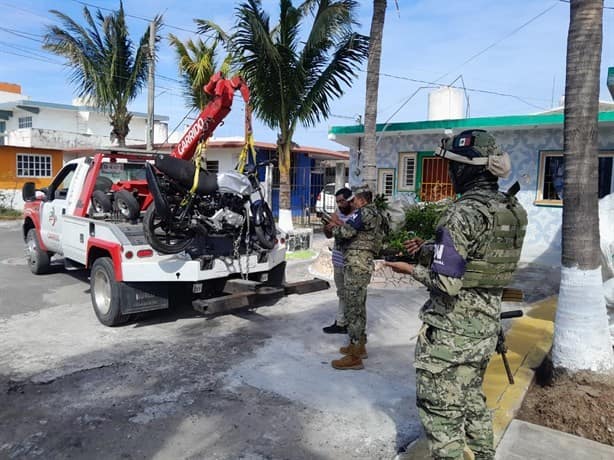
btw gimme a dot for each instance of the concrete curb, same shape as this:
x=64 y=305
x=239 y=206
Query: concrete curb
x=529 y=341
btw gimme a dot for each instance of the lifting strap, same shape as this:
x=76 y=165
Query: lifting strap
x=200 y=149
x=245 y=152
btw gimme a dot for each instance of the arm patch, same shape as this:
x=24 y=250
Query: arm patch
x=355 y=221
x=446 y=259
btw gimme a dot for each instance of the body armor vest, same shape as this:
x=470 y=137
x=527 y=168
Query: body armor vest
x=493 y=262
x=370 y=240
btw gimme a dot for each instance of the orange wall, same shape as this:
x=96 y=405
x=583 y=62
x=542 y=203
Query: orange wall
x=8 y=166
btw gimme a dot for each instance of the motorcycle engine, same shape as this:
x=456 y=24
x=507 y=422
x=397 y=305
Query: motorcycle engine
x=228 y=215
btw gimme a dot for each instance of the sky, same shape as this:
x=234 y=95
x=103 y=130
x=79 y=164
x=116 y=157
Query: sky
x=509 y=54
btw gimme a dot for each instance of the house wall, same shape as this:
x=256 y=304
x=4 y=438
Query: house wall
x=62 y=128
x=10 y=184
x=543 y=240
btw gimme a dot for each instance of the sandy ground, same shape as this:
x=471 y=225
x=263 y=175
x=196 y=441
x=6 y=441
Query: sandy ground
x=252 y=385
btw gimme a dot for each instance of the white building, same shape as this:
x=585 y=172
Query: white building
x=36 y=135
x=39 y=124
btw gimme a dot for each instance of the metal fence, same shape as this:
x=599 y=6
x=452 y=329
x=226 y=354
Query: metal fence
x=309 y=194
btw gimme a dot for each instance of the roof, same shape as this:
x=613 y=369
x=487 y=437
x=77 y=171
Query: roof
x=537 y=121
x=313 y=152
x=35 y=106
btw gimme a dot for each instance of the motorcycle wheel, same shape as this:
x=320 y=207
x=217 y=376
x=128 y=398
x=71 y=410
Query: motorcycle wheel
x=266 y=232
x=162 y=237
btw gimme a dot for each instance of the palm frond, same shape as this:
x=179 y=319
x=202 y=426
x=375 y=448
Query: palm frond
x=104 y=64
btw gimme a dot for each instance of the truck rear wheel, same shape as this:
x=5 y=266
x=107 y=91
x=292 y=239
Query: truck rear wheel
x=106 y=293
x=38 y=260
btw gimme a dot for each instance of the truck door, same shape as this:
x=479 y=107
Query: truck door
x=54 y=208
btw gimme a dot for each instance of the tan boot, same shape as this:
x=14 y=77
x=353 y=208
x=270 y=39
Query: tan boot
x=350 y=361
x=361 y=349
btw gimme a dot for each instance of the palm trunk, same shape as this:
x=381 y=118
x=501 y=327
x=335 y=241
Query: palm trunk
x=373 y=66
x=285 y=209
x=581 y=338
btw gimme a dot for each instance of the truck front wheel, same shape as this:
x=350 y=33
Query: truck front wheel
x=38 y=260
x=106 y=293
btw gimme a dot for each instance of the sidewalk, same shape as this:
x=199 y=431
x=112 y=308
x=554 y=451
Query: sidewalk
x=528 y=340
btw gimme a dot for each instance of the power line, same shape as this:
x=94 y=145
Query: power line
x=37 y=52
x=476 y=90
x=26 y=56
x=170 y=26
x=21 y=34
x=496 y=42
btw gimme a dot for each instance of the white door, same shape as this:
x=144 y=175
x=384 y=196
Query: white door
x=54 y=209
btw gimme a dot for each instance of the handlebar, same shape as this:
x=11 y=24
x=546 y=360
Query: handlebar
x=511 y=314
x=266 y=163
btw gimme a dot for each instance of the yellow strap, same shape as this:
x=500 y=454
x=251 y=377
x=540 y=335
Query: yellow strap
x=200 y=149
x=247 y=149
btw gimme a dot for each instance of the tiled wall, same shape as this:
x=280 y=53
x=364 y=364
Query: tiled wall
x=543 y=240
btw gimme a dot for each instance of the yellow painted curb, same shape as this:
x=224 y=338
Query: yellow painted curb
x=528 y=342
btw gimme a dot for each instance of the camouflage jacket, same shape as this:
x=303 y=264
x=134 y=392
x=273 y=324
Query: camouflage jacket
x=361 y=231
x=472 y=312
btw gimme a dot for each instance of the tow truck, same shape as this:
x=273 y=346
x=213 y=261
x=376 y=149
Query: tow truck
x=127 y=276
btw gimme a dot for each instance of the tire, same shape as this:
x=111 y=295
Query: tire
x=103 y=184
x=163 y=238
x=126 y=204
x=101 y=202
x=266 y=232
x=38 y=260
x=105 y=292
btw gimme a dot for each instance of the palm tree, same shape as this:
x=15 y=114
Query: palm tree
x=293 y=77
x=197 y=64
x=373 y=66
x=105 y=66
x=581 y=337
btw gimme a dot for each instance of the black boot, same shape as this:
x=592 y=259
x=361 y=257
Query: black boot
x=335 y=329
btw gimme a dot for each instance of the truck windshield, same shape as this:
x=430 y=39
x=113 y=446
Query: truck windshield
x=123 y=171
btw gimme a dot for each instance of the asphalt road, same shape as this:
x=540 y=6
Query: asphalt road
x=172 y=385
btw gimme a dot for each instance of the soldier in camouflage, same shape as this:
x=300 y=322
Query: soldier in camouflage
x=362 y=239
x=473 y=256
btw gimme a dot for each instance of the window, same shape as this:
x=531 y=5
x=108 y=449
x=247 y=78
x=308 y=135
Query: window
x=32 y=165
x=213 y=166
x=25 y=122
x=385 y=182
x=2 y=132
x=550 y=187
x=407 y=172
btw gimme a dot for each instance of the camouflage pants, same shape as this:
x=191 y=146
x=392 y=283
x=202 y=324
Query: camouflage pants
x=340 y=285
x=357 y=275
x=452 y=407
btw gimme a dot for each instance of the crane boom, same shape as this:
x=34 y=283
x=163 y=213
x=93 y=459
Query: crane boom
x=222 y=91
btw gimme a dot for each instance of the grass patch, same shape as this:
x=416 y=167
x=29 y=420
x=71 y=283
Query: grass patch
x=300 y=255
x=9 y=214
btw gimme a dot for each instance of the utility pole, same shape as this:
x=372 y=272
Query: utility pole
x=151 y=85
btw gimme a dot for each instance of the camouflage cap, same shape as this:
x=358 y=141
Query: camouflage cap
x=360 y=189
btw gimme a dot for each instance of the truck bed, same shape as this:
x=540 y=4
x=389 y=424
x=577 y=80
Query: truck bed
x=134 y=232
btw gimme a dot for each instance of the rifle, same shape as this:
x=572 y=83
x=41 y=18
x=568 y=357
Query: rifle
x=501 y=347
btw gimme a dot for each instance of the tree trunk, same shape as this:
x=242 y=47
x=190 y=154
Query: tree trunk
x=285 y=209
x=581 y=338
x=373 y=67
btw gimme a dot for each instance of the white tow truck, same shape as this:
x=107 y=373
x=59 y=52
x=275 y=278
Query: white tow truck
x=75 y=218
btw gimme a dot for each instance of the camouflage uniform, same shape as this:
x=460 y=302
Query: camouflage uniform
x=338 y=260
x=362 y=239
x=459 y=334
